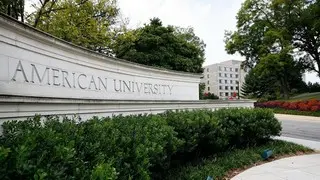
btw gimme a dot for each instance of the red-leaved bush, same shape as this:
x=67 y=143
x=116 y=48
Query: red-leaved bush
x=310 y=105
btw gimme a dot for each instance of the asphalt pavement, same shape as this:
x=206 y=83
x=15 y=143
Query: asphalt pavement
x=301 y=127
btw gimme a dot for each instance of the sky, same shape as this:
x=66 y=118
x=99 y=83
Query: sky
x=209 y=18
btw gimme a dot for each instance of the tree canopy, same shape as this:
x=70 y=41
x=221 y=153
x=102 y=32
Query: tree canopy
x=97 y=25
x=87 y=23
x=168 y=47
x=13 y=8
x=267 y=27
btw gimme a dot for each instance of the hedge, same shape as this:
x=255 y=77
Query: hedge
x=124 y=147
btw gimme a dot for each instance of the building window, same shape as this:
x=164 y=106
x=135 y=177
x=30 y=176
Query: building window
x=220 y=69
x=221 y=93
x=226 y=87
x=230 y=69
x=231 y=87
x=220 y=81
x=220 y=75
x=236 y=69
x=220 y=87
x=225 y=69
x=237 y=75
x=225 y=75
x=207 y=69
x=208 y=82
x=226 y=81
x=237 y=82
x=208 y=88
x=227 y=94
x=237 y=88
x=231 y=75
x=231 y=81
x=207 y=75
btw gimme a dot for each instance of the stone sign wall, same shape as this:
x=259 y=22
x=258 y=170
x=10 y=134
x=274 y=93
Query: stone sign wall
x=36 y=64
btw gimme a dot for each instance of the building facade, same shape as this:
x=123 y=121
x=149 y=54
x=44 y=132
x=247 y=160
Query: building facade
x=224 y=79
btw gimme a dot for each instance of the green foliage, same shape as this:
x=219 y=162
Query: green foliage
x=125 y=147
x=247 y=126
x=295 y=112
x=220 y=165
x=272 y=79
x=210 y=95
x=13 y=8
x=85 y=23
x=167 y=47
x=280 y=37
x=202 y=87
x=198 y=129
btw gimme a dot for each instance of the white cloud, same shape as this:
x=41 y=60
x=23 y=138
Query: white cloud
x=210 y=19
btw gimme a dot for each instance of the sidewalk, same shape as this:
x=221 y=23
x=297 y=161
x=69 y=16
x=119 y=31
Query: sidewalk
x=306 y=167
x=307 y=143
x=297 y=117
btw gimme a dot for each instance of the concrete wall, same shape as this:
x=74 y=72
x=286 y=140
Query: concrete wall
x=19 y=108
x=40 y=74
x=36 y=64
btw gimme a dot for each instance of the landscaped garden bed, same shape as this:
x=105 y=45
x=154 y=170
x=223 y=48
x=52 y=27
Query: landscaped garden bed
x=307 y=107
x=138 y=146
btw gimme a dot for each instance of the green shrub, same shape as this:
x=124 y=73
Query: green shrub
x=69 y=150
x=198 y=129
x=247 y=126
x=124 y=147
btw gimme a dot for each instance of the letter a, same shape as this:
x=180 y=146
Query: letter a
x=20 y=68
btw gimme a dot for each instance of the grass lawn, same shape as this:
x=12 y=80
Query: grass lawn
x=295 y=112
x=229 y=164
x=305 y=96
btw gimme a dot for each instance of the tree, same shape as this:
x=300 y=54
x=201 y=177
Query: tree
x=13 y=8
x=274 y=77
x=167 y=47
x=268 y=26
x=87 y=23
x=202 y=87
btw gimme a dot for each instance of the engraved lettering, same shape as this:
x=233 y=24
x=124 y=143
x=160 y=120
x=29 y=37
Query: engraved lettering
x=170 y=89
x=146 y=88
x=74 y=79
x=35 y=71
x=103 y=84
x=64 y=78
x=81 y=75
x=55 y=77
x=155 y=87
x=115 y=86
x=93 y=82
x=139 y=87
x=19 y=69
x=126 y=86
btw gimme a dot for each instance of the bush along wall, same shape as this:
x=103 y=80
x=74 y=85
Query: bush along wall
x=125 y=147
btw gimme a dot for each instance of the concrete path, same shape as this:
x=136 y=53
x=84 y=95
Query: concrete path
x=307 y=143
x=305 y=167
x=300 y=127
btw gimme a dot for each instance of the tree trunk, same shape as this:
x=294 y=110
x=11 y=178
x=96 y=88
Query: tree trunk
x=284 y=87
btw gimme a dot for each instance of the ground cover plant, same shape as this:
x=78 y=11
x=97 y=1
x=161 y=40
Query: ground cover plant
x=127 y=147
x=311 y=105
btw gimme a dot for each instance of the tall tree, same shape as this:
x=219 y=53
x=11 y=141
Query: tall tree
x=13 y=8
x=87 y=23
x=168 y=47
x=268 y=26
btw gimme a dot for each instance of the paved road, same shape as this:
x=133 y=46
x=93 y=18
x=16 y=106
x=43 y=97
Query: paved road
x=300 y=127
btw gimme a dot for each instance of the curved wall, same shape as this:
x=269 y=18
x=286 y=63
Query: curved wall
x=35 y=64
